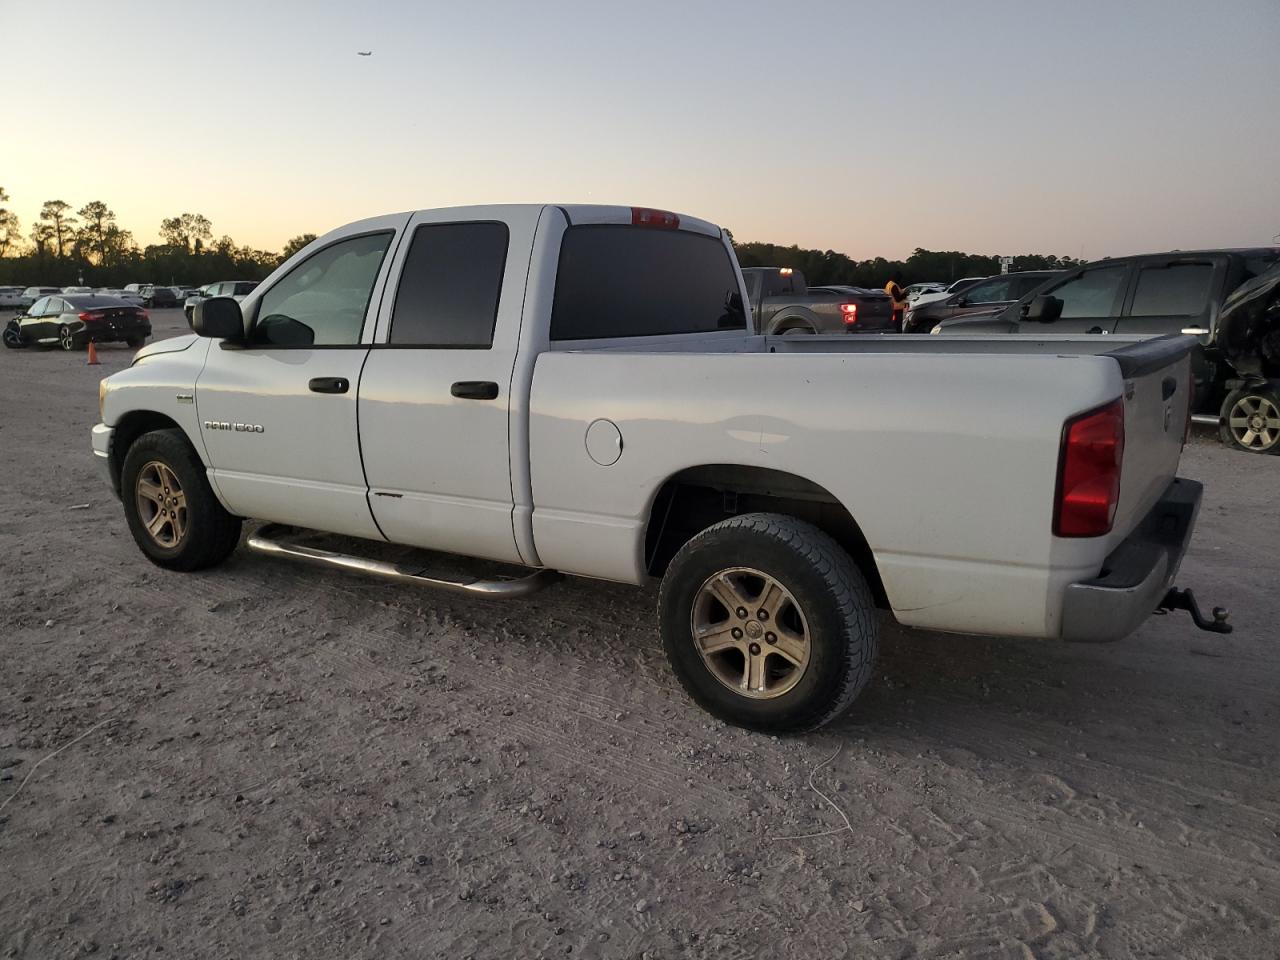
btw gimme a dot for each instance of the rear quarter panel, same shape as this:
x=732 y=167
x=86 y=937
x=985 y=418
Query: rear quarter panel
x=948 y=463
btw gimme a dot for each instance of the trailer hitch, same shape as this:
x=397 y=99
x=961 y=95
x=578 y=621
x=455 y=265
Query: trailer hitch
x=1177 y=599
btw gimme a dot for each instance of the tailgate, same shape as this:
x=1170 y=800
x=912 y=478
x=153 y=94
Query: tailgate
x=1157 y=395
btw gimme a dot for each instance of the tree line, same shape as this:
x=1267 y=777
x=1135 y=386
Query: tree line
x=89 y=246
x=822 y=267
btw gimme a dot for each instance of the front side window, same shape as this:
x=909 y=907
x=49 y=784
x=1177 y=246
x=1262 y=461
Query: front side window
x=989 y=291
x=1178 y=290
x=37 y=308
x=449 y=285
x=1023 y=285
x=625 y=281
x=1092 y=293
x=323 y=300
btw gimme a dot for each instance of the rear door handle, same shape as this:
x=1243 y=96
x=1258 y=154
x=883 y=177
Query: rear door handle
x=329 y=385
x=475 y=389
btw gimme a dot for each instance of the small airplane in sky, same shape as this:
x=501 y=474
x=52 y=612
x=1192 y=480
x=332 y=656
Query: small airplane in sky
x=364 y=53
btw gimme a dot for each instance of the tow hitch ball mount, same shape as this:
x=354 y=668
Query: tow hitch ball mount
x=1177 y=599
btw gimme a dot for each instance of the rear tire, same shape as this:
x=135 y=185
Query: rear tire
x=779 y=574
x=66 y=339
x=135 y=342
x=172 y=512
x=1250 y=419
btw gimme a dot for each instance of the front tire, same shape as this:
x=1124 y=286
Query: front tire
x=1250 y=420
x=172 y=512
x=768 y=623
x=13 y=335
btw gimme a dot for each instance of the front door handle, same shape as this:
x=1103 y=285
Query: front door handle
x=329 y=385
x=475 y=389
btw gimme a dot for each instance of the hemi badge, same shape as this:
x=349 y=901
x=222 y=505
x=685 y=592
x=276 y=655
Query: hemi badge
x=186 y=398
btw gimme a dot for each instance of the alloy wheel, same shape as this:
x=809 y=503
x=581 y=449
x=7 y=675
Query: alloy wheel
x=162 y=504
x=750 y=632
x=1254 y=422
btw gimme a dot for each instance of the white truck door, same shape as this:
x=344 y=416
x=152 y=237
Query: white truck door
x=278 y=415
x=436 y=392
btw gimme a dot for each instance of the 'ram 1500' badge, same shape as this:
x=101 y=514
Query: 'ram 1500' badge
x=237 y=427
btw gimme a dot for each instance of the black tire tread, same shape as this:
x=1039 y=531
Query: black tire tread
x=845 y=582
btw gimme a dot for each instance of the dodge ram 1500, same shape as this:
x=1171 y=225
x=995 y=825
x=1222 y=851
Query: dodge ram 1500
x=581 y=390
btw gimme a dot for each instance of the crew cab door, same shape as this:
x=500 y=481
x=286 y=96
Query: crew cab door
x=1091 y=300
x=437 y=388
x=278 y=415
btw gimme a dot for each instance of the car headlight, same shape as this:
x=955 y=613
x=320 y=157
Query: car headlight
x=937 y=329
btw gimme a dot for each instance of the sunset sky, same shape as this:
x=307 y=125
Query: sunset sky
x=1092 y=127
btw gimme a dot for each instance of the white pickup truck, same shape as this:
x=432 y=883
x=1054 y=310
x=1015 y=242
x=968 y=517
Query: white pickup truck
x=578 y=390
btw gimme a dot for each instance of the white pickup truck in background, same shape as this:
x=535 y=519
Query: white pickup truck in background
x=578 y=389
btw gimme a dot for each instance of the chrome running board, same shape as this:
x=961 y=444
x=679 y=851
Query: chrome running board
x=263 y=540
x=1208 y=419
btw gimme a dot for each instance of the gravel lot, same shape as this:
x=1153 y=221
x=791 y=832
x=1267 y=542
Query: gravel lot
x=298 y=763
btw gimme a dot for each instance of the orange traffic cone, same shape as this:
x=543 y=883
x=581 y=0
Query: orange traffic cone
x=93 y=354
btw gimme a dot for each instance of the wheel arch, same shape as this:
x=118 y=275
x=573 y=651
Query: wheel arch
x=133 y=425
x=791 y=317
x=697 y=497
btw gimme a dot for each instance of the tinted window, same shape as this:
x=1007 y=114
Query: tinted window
x=621 y=281
x=449 y=286
x=1092 y=294
x=995 y=290
x=37 y=308
x=1178 y=290
x=1024 y=285
x=322 y=301
x=242 y=288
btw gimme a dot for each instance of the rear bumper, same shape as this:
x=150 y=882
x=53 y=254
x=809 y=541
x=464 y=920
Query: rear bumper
x=1137 y=574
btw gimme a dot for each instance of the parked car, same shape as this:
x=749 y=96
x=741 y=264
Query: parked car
x=11 y=298
x=916 y=290
x=71 y=320
x=76 y=290
x=1145 y=295
x=984 y=297
x=237 y=289
x=31 y=294
x=128 y=296
x=579 y=389
x=963 y=283
x=782 y=302
x=154 y=296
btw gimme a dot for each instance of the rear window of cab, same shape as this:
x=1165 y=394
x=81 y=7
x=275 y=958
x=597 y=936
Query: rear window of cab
x=616 y=280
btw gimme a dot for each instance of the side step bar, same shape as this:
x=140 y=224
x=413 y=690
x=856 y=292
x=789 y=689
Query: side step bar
x=1205 y=419
x=264 y=540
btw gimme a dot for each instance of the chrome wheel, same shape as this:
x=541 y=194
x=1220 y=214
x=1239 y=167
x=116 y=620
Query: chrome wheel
x=65 y=338
x=162 y=505
x=750 y=632
x=1254 y=422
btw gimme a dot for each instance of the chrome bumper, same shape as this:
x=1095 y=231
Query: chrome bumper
x=1137 y=574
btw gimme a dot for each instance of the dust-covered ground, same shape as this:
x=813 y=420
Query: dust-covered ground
x=298 y=763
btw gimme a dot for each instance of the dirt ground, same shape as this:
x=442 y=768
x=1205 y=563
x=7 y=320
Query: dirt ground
x=298 y=763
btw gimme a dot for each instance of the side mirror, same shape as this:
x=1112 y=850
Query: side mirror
x=220 y=318
x=1043 y=309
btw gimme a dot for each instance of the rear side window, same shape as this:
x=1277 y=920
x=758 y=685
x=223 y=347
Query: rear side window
x=1178 y=290
x=1024 y=285
x=623 y=281
x=450 y=285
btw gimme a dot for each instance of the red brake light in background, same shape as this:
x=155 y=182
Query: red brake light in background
x=90 y=315
x=849 y=313
x=1089 y=472
x=646 y=217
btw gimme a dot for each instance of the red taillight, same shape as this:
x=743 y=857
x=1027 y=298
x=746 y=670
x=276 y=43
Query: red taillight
x=645 y=217
x=1089 y=472
x=91 y=315
x=143 y=314
x=849 y=312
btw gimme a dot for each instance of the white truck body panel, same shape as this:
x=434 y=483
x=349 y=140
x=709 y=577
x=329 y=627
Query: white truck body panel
x=945 y=453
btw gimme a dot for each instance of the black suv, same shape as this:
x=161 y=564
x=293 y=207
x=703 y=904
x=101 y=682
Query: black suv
x=1147 y=295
